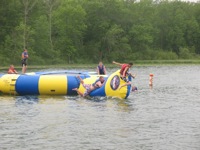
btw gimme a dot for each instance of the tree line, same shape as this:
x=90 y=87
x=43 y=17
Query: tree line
x=86 y=31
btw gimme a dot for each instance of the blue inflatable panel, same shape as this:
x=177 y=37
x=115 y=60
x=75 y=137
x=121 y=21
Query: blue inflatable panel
x=27 y=85
x=99 y=92
x=67 y=72
x=73 y=82
x=129 y=89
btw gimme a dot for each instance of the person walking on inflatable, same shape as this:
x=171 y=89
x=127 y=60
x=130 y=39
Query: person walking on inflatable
x=24 y=60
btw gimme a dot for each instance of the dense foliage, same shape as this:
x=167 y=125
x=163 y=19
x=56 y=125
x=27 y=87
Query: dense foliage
x=86 y=31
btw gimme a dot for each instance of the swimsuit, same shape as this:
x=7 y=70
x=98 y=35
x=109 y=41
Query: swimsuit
x=101 y=70
x=24 y=59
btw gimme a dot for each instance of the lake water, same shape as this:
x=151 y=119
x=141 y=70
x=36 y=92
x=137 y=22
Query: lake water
x=164 y=117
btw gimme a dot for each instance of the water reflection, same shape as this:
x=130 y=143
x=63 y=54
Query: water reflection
x=40 y=99
x=19 y=100
x=73 y=101
x=106 y=103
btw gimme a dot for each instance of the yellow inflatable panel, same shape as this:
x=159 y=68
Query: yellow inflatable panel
x=7 y=83
x=112 y=86
x=87 y=81
x=52 y=85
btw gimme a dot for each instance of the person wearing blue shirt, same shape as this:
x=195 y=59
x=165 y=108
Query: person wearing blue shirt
x=24 y=61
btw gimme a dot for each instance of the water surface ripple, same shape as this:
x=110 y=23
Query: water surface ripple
x=165 y=117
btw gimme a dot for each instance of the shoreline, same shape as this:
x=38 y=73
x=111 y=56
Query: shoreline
x=139 y=63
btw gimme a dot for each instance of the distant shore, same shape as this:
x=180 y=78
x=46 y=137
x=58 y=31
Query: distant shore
x=110 y=65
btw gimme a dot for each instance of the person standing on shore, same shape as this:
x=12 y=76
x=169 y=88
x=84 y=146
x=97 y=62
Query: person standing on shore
x=24 y=61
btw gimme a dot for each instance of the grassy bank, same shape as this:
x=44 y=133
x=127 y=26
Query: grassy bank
x=167 y=62
x=110 y=65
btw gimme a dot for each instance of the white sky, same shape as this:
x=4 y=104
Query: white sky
x=191 y=0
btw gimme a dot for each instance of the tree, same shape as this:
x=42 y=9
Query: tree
x=28 y=6
x=69 y=27
x=50 y=5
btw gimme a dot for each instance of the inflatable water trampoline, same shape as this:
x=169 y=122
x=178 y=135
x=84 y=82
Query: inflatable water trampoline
x=60 y=83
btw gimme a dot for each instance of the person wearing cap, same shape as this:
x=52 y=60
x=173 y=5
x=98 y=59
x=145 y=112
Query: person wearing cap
x=24 y=60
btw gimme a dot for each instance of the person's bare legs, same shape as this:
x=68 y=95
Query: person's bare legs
x=79 y=93
x=23 y=69
x=76 y=89
x=81 y=80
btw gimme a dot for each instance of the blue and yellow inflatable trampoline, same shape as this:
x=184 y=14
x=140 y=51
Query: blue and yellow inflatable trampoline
x=110 y=87
x=60 y=83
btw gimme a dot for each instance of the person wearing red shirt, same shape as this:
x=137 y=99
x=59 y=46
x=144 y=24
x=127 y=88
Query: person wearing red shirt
x=124 y=73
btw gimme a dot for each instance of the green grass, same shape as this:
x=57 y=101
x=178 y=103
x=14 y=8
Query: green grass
x=179 y=61
x=110 y=65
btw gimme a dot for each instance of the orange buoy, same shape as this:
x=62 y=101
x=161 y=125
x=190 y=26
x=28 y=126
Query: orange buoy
x=151 y=79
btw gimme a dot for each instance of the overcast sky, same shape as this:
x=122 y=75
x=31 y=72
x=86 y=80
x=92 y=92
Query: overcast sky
x=191 y=0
